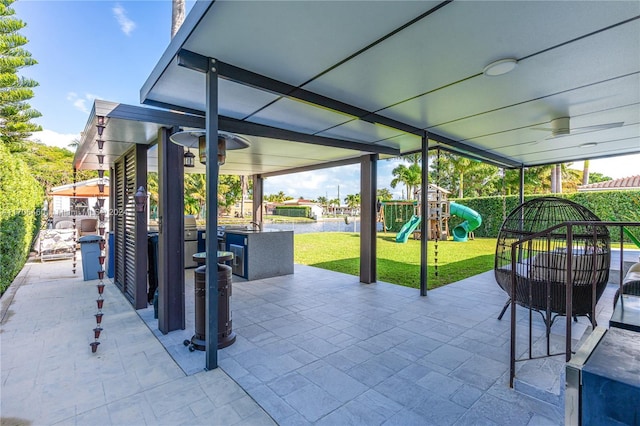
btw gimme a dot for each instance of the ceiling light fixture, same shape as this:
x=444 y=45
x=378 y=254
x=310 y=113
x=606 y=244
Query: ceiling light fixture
x=500 y=67
x=588 y=145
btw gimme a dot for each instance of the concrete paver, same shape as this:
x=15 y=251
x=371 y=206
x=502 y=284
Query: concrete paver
x=50 y=375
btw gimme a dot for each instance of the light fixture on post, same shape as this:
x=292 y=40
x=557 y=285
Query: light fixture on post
x=189 y=158
x=500 y=67
x=197 y=138
x=140 y=199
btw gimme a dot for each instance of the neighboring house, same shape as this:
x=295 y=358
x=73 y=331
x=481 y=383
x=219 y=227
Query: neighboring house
x=316 y=209
x=626 y=183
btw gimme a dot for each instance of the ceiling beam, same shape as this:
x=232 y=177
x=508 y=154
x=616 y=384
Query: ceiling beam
x=199 y=63
x=233 y=125
x=330 y=164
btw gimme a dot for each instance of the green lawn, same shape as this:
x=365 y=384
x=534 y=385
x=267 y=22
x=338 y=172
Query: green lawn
x=397 y=263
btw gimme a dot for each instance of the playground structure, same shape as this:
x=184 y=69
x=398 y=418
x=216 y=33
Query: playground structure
x=408 y=214
x=439 y=212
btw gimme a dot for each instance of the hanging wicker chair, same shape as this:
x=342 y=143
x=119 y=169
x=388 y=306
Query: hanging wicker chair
x=542 y=263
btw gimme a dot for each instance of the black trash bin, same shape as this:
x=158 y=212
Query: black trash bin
x=226 y=336
x=90 y=250
x=152 y=254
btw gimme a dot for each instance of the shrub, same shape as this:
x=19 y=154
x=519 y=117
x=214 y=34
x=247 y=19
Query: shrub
x=293 y=211
x=21 y=198
x=607 y=205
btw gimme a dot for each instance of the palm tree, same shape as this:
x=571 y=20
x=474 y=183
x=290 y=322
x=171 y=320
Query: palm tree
x=585 y=173
x=324 y=203
x=410 y=177
x=177 y=16
x=353 y=201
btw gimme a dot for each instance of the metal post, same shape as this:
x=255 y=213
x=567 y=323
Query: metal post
x=171 y=234
x=569 y=292
x=424 y=210
x=258 y=200
x=521 y=184
x=140 y=299
x=368 y=178
x=212 y=168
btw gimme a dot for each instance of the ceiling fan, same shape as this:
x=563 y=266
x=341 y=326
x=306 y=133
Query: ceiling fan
x=561 y=127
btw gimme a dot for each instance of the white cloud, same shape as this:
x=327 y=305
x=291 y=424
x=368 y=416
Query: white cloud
x=614 y=167
x=126 y=25
x=80 y=103
x=51 y=138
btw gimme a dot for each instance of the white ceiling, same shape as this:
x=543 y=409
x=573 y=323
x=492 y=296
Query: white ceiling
x=422 y=70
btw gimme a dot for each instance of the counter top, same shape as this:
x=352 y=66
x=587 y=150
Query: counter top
x=250 y=231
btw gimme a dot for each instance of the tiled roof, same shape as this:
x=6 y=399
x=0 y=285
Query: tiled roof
x=631 y=182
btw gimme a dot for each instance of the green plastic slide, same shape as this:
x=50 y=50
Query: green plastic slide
x=407 y=229
x=632 y=237
x=472 y=220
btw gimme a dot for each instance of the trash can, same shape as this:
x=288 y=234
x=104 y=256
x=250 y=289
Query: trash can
x=226 y=336
x=152 y=254
x=111 y=255
x=90 y=250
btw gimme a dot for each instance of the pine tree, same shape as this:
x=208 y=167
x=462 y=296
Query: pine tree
x=15 y=113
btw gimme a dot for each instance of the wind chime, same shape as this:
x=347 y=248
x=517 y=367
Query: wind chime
x=99 y=300
x=438 y=213
x=99 y=210
x=101 y=180
x=73 y=219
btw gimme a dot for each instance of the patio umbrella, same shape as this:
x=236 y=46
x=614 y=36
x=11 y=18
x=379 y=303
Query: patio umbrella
x=87 y=188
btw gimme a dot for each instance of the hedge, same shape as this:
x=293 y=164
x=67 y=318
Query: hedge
x=21 y=198
x=607 y=205
x=293 y=211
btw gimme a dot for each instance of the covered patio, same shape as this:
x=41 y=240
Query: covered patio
x=513 y=84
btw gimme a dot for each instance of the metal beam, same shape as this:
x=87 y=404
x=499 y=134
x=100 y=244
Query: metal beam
x=212 y=169
x=368 y=180
x=254 y=129
x=327 y=165
x=239 y=75
x=424 y=212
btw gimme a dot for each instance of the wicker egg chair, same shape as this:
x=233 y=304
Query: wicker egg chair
x=541 y=266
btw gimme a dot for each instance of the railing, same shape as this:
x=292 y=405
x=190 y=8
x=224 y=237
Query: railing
x=522 y=264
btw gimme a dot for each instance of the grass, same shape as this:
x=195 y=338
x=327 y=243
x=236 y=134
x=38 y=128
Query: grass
x=397 y=263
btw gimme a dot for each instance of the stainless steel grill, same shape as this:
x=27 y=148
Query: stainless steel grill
x=190 y=241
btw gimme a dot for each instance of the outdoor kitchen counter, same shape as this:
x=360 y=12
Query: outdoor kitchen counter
x=260 y=254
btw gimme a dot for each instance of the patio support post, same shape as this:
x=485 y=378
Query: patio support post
x=212 y=168
x=140 y=239
x=258 y=199
x=424 y=211
x=521 y=184
x=171 y=234
x=368 y=190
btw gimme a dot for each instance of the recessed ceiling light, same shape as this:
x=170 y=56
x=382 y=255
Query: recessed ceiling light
x=500 y=67
x=588 y=145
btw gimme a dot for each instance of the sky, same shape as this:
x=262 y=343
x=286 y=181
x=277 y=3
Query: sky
x=103 y=49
